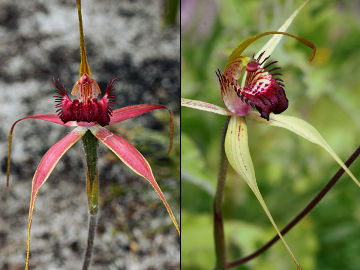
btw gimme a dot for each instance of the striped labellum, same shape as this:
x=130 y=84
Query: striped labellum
x=262 y=90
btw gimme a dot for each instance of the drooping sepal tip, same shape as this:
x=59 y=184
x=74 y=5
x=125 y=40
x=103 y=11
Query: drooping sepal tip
x=134 y=160
x=171 y=131
x=9 y=154
x=238 y=154
x=51 y=118
x=43 y=171
x=305 y=130
x=84 y=66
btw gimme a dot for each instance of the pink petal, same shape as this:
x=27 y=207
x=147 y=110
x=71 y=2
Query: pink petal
x=46 y=166
x=133 y=111
x=53 y=118
x=136 y=110
x=133 y=159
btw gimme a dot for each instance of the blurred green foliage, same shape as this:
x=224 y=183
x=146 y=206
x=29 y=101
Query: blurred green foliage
x=171 y=10
x=289 y=170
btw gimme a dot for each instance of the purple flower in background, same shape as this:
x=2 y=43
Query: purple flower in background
x=198 y=17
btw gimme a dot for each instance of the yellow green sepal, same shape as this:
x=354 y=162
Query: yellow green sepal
x=84 y=66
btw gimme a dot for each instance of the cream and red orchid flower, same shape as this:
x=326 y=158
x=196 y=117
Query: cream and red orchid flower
x=262 y=90
x=87 y=113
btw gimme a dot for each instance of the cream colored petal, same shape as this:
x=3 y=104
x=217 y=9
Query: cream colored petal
x=203 y=106
x=270 y=46
x=237 y=152
x=305 y=130
x=274 y=41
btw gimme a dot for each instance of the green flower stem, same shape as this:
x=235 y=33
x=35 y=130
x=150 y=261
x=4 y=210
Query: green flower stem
x=171 y=10
x=302 y=214
x=90 y=143
x=219 y=234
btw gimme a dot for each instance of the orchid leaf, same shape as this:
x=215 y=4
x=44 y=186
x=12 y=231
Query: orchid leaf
x=136 y=110
x=46 y=166
x=237 y=152
x=53 y=118
x=133 y=159
x=204 y=106
x=305 y=130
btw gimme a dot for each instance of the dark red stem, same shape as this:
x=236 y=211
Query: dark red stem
x=302 y=214
x=219 y=234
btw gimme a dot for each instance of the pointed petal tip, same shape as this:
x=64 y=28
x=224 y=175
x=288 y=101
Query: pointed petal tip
x=52 y=118
x=238 y=154
x=305 y=130
x=44 y=169
x=313 y=53
x=8 y=159
x=132 y=158
x=270 y=46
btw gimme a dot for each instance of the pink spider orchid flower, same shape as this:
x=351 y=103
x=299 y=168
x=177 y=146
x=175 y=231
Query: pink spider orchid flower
x=262 y=90
x=87 y=113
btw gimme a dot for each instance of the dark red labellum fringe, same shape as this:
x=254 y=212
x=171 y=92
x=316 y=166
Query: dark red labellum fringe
x=91 y=111
x=262 y=91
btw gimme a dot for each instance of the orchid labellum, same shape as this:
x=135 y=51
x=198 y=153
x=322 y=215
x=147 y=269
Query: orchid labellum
x=89 y=116
x=252 y=82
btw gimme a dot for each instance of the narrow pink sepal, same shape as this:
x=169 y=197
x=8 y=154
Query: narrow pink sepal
x=136 y=110
x=46 y=166
x=133 y=111
x=133 y=159
x=53 y=118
